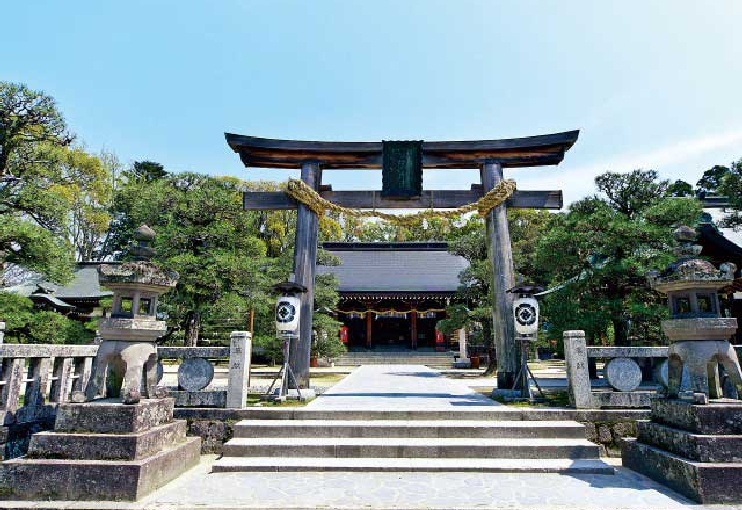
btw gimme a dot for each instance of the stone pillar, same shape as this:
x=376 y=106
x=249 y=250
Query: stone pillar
x=305 y=260
x=500 y=254
x=240 y=349
x=463 y=355
x=2 y=332
x=578 y=379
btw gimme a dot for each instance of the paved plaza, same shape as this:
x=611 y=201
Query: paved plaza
x=398 y=387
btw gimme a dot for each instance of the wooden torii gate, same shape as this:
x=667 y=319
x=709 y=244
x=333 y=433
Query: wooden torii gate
x=489 y=156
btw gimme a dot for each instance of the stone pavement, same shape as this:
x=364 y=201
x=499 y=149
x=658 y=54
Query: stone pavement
x=201 y=489
x=410 y=387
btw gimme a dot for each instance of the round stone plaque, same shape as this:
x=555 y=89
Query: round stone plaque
x=195 y=374
x=623 y=374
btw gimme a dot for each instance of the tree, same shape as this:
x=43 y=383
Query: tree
x=227 y=258
x=469 y=240
x=679 y=189
x=32 y=131
x=25 y=325
x=600 y=250
x=27 y=119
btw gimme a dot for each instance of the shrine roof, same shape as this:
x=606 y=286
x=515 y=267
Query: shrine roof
x=395 y=267
x=510 y=152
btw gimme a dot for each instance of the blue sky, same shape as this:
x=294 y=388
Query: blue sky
x=650 y=84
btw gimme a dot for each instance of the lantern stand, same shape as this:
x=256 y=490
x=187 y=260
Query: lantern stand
x=525 y=314
x=288 y=312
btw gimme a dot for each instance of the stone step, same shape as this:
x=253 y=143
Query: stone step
x=64 y=479
x=697 y=447
x=289 y=464
x=135 y=446
x=502 y=448
x=705 y=482
x=412 y=429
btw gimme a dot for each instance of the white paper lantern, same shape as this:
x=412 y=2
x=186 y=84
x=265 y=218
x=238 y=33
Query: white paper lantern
x=525 y=312
x=288 y=309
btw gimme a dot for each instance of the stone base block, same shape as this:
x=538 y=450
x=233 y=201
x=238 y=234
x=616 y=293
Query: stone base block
x=45 y=479
x=718 y=417
x=110 y=416
x=700 y=448
x=604 y=399
x=66 y=445
x=216 y=398
x=703 y=482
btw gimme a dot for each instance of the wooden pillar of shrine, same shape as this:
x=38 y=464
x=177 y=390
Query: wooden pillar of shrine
x=500 y=254
x=305 y=262
x=413 y=328
x=369 y=328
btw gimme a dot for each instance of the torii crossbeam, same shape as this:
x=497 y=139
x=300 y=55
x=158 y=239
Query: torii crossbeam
x=489 y=156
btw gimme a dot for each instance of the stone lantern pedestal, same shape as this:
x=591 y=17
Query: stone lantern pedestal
x=693 y=443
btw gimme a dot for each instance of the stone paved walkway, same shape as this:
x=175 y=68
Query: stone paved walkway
x=201 y=489
x=409 y=387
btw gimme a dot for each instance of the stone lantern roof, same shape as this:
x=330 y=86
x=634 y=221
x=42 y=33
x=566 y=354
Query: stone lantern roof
x=689 y=271
x=141 y=272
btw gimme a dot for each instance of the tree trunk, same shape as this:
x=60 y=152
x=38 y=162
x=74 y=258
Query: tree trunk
x=620 y=332
x=193 y=329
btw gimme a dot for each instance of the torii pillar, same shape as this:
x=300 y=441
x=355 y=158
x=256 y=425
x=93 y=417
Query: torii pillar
x=305 y=264
x=500 y=253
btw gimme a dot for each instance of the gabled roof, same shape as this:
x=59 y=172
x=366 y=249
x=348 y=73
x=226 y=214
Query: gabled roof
x=395 y=267
x=84 y=285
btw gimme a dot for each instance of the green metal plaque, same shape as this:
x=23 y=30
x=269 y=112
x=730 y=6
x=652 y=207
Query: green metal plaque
x=402 y=171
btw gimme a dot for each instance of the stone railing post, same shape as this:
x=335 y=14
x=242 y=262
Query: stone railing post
x=240 y=347
x=13 y=374
x=578 y=379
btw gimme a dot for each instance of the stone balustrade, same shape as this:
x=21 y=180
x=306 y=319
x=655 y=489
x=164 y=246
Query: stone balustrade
x=34 y=378
x=621 y=372
x=35 y=375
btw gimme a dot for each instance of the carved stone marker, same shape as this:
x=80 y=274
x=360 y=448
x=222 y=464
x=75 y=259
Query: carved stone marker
x=194 y=374
x=623 y=374
x=240 y=346
x=575 y=355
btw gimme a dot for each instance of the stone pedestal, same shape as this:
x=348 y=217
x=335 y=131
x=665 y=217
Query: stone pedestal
x=693 y=449
x=102 y=450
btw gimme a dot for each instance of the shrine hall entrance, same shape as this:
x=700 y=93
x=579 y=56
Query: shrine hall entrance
x=392 y=331
x=392 y=295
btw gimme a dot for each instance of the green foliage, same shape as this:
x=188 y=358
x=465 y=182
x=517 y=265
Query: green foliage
x=25 y=325
x=35 y=248
x=59 y=192
x=600 y=251
x=680 y=189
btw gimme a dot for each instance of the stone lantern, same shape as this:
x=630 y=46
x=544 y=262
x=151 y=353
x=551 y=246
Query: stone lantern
x=699 y=335
x=128 y=351
x=692 y=444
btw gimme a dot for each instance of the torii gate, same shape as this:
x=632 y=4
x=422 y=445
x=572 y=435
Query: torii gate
x=489 y=156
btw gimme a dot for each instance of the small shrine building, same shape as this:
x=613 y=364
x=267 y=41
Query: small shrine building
x=392 y=294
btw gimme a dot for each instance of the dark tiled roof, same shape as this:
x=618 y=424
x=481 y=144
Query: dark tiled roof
x=395 y=267
x=84 y=285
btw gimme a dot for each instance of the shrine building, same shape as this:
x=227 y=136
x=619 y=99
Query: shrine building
x=392 y=294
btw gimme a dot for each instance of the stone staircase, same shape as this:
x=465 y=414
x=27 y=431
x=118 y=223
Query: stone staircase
x=432 y=359
x=365 y=440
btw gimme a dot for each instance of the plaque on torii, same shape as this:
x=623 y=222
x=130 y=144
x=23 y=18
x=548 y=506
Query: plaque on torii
x=489 y=156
